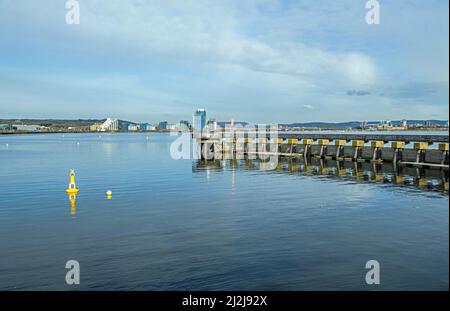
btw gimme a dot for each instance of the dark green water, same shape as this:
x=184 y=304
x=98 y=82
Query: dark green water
x=192 y=225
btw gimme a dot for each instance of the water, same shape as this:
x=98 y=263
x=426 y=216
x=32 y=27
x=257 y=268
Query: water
x=192 y=225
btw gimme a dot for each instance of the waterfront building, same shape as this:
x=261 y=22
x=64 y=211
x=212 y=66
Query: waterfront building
x=6 y=127
x=125 y=126
x=212 y=125
x=143 y=126
x=111 y=124
x=133 y=127
x=173 y=127
x=185 y=125
x=163 y=125
x=199 y=120
x=405 y=123
x=95 y=127
x=29 y=127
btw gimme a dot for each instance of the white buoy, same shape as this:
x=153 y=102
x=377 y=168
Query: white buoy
x=109 y=193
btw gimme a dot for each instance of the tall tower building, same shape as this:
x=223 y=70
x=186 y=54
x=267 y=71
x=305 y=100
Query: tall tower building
x=199 y=119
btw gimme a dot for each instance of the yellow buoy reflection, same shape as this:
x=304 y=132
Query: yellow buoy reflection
x=73 y=205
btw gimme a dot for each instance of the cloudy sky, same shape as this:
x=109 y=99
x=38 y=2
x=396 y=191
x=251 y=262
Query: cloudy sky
x=254 y=60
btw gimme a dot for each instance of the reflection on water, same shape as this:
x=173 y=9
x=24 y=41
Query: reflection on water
x=386 y=173
x=73 y=204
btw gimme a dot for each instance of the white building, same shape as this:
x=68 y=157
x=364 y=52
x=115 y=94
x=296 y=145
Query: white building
x=212 y=125
x=405 y=123
x=133 y=127
x=173 y=127
x=31 y=128
x=110 y=124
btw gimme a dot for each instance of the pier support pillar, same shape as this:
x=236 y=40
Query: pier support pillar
x=421 y=147
x=293 y=145
x=307 y=142
x=398 y=147
x=377 y=145
x=233 y=145
x=339 y=143
x=207 y=150
x=323 y=143
x=278 y=142
x=357 y=144
x=249 y=148
x=444 y=147
x=262 y=144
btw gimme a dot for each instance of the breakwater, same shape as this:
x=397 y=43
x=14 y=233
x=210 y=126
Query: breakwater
x=427 y=151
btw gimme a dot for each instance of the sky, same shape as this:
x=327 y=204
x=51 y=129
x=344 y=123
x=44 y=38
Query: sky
x=262 y=61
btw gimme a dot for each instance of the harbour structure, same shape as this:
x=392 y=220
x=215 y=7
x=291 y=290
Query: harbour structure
x=385 y=137
x=429 y=151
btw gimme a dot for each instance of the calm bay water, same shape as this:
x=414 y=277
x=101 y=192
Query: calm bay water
x=187 y=225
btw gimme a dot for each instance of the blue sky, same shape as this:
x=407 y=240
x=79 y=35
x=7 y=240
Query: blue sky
x=254 y=60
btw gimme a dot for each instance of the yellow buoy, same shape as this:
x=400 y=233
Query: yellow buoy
x=109 y=194
x=72 y=189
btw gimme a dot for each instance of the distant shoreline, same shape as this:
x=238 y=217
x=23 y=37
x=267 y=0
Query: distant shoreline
x=444 y=130
x=72 y=132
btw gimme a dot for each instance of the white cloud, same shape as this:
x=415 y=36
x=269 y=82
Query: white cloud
x=198 y=31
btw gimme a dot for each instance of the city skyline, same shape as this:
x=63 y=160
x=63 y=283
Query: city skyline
x=287 y=61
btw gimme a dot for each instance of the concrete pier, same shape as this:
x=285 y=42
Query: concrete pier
x=407 y=138
x=337 y=147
